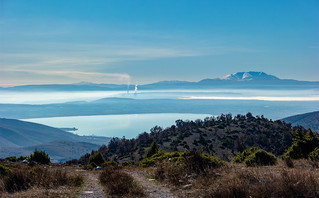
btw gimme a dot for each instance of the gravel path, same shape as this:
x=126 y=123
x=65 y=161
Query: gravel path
x=92 y=187
x=152 y=189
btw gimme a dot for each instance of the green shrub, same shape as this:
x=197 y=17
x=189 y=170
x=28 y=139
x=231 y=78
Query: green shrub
x=4 y=170
x=152 y=150
x=97 y=158
x=110 y=163
x=40 y=157
x=314 y=155
x=260 y=158
x=243 y=155
x=12 y=158
x=303 y=145
x=21 y=158
x=92 y=164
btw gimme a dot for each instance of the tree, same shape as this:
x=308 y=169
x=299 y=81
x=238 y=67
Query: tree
x=97 y=159
x=303 y=145
x=152 y=150
x=40 y=157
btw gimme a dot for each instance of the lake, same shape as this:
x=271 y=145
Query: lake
x=128 y=125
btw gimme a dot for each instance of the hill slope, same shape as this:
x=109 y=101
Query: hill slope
x=16 y=133
x=59 y=151
x=307 y=120
x=223 y=136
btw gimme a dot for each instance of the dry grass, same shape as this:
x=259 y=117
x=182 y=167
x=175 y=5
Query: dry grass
x=240 y=181
x=119 y=183
x=46 y=180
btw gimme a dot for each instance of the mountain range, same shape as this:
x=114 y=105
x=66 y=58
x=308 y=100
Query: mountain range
x=238 y=80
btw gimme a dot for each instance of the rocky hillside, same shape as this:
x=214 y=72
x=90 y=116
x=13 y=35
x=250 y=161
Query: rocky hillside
x=223 y=136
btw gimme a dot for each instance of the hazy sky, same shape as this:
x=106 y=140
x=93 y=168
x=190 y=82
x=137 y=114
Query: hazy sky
x=145 y=41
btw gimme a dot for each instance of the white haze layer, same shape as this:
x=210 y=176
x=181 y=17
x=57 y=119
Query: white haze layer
x=9 y=97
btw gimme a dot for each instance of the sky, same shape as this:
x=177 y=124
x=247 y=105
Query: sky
x=120 y=41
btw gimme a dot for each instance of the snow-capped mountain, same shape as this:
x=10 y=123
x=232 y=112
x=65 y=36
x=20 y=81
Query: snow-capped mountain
x=251 y=75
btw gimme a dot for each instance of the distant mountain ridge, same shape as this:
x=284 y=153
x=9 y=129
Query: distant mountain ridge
x=251 y=75
x=239 y=80
x=306 y=120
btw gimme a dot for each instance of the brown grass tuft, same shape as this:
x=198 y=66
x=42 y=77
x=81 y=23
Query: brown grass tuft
x=120 y=183
x=24 y=177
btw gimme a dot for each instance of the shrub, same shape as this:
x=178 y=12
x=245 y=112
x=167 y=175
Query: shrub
x=152 y=150
x=109 y=163
x=195 y=162
x=314 y=155
x=303 y=145
x=4 y=170
x=97 y=158
x=12 y=158
x=255 y=157
x=243 y=155
x=118 y=183
x=260 y=158
x=40 y=157
x=23 y=178
x=260 y=182
x=177 y=171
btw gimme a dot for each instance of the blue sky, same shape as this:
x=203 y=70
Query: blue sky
x=146 y=41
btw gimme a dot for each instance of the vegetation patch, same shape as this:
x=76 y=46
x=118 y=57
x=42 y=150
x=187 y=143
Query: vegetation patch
x=255 y=157
x=23 y=177
x=119 y=183
x=303 y=145
x=40 y=157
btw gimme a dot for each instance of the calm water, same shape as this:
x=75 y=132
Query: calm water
x=129 y=125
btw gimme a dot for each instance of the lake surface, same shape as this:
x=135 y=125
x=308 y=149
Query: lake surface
x=128 y=125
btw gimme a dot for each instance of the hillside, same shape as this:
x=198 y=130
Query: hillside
x=223 y=136
x=307 y=120
x=59 y=151
x=16 y=133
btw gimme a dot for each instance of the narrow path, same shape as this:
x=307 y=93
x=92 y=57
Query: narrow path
x=92 y=187
x=151 y=188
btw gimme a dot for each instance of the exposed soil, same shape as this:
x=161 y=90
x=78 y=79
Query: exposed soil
x=151 y=187
x=92 y=187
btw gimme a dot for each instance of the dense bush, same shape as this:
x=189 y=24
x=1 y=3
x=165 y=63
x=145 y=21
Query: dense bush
x=97 y=158
x=11 y=158
x=24 y=177
x=255 y=157
x=243 y=155
x=260 y=158
x=4 y=170
x=152 y=150
x=303 y=145
x=40 y=157
x=314 y=155
x=119 y=183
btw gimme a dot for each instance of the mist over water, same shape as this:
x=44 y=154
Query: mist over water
x=189 y=104
x=8 y=97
